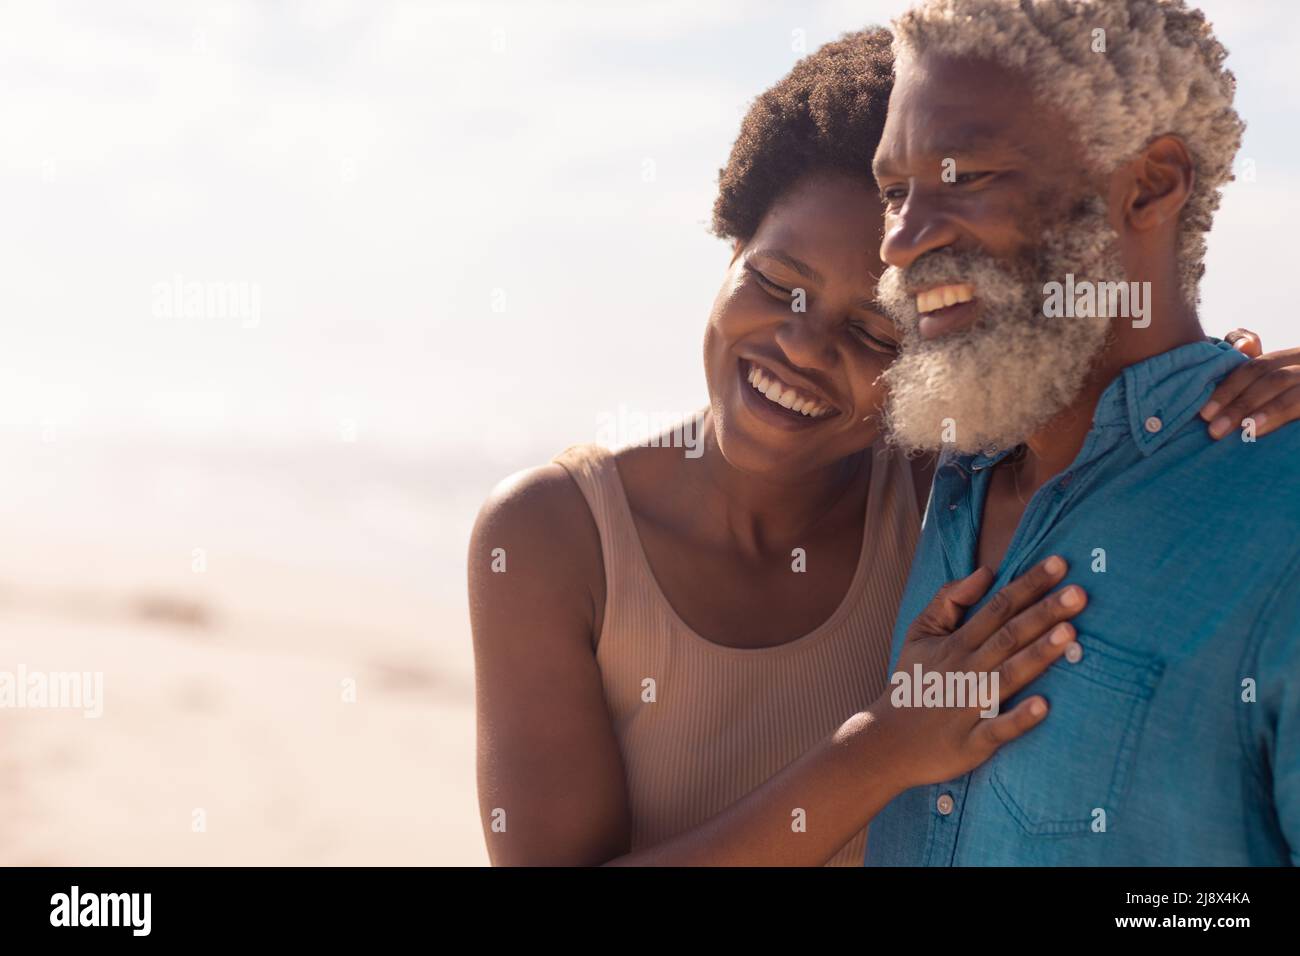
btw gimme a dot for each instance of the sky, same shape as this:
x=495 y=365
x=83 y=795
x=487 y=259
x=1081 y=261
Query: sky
x=445 y=229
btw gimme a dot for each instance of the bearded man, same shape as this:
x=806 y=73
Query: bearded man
x=1033 y=146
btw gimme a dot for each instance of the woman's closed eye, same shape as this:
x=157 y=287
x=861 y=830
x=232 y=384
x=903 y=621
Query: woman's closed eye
x=873 y=341
x=775 y=288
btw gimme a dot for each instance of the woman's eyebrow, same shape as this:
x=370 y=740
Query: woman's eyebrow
x=799 y=266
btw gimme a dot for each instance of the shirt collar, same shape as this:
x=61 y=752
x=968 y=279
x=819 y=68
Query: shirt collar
x=1158 y=396
x=1152 y=398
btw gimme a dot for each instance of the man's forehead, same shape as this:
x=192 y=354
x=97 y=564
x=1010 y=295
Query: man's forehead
x=958 y=134
x=979 y=93
x=965 y=76
x=950 y=106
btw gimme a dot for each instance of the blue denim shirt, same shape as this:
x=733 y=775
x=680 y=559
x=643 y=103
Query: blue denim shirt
x=1190 y=552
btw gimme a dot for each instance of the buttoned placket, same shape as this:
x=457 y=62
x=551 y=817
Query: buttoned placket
x=958 y=535
x=960 y=539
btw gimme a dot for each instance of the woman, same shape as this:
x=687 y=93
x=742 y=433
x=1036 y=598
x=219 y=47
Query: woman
x=683 y=660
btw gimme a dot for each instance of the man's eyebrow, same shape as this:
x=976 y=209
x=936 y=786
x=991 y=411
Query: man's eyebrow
x=969 y=141
x=978 y=141
x=799 y=266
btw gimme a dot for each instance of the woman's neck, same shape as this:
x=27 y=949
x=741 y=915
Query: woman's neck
x=762 y=513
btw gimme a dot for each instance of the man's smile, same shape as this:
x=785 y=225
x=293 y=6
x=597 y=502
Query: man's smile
x=940 y=296
x=945 y=309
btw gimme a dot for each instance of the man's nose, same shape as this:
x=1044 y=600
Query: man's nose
x=921 y=225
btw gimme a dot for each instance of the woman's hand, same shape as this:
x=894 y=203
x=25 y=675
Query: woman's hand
x=1014 y=637
x=1266 y=389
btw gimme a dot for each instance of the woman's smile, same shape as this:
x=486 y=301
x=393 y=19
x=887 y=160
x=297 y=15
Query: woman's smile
x=774 y=399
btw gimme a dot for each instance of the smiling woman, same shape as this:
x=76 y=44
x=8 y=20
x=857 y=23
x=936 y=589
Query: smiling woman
x=681 y=663
x=819 y=238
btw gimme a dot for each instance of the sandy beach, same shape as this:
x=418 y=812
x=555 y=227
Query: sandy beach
x=288 y=704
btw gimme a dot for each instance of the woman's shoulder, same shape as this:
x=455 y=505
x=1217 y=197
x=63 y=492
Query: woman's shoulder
x=537 y=505
x=535 y=555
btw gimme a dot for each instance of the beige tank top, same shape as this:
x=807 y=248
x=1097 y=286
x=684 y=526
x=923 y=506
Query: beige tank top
x=724 y=719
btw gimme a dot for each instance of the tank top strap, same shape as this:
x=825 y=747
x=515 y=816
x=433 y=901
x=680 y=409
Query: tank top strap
x=595 y=472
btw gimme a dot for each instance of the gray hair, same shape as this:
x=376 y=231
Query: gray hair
x=1161 y=72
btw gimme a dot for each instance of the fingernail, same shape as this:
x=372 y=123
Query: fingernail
x=1054 y=565
x=1071 y=597
x=1219 y=427
x=1060 y=634
x=1208 y=411
x=1259 y=422
x=1074 y=653
x=1038 y=708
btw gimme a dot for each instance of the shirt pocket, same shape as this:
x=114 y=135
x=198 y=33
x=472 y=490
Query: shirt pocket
x=1053 y=779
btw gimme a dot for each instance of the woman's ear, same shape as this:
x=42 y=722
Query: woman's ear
x=1162 y=180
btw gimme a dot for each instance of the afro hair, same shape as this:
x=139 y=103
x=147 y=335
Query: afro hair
x=828 y=113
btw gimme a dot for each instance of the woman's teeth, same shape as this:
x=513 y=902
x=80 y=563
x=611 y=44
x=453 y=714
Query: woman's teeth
x=784 y=395
x=942 y=296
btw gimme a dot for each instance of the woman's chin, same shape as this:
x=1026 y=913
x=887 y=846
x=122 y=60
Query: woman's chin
x=769 y=453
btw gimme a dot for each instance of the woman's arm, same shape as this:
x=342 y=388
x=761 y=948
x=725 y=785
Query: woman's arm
x=550 y=778
x=551 y=784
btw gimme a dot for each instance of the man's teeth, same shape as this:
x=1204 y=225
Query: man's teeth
x=785 y=396
x=941 y=296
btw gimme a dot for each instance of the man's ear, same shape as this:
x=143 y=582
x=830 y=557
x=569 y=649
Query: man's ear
x=1162 y=180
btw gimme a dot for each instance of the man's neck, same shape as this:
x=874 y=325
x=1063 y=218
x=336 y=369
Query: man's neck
x=1054 y=446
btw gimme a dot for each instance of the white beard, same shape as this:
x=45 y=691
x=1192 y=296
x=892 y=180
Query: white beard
x=993 y=385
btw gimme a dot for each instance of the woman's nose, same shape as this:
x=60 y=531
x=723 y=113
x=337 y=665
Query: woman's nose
x=807 y=340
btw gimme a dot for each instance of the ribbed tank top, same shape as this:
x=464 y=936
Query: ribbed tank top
x=725 y=719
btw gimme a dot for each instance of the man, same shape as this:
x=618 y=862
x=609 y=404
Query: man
x=1049 y=170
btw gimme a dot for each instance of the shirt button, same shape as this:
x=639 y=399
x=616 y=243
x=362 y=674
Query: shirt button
x=952 y=507
x=1074 y=652
x=1154 y=424
x=944 y=803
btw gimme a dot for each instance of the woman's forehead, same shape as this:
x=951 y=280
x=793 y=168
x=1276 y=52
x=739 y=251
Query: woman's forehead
x=833 y=223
